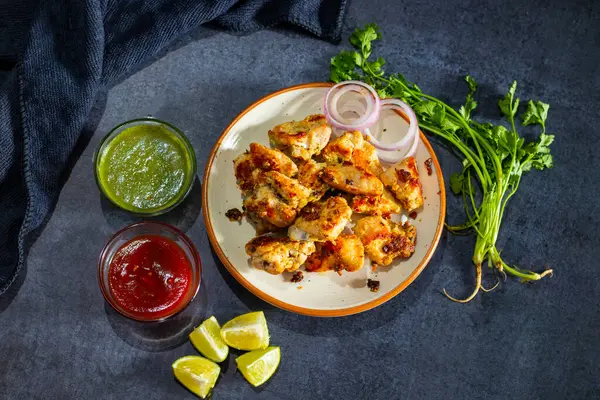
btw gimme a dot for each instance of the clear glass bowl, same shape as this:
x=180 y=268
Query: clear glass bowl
x=149 y=228
x=191 y=173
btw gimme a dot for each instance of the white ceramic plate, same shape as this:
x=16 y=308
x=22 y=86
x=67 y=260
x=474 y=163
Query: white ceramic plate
x=319 y=294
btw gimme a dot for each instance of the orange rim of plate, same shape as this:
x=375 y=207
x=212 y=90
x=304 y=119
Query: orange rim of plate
x=290 y=307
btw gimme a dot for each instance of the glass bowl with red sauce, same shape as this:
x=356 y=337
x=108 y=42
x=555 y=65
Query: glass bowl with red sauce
x=149 y=271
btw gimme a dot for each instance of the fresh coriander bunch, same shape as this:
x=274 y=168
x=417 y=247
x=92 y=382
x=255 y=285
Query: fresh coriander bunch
x=494 y=157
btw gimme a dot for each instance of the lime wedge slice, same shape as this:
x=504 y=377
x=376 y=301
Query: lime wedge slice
x=247 y=332
x=259 y=365
x=206 y=338
x=196 y=373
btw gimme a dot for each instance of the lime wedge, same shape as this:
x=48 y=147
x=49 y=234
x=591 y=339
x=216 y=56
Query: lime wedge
x=247 y=332
x=206 y=338
x=259 y=365
x=196 y=373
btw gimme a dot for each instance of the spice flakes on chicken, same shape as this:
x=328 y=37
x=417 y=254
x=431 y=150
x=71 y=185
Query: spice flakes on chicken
x=310 y=186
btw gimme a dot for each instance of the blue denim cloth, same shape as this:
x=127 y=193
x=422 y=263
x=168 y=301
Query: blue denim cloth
x=61 y=53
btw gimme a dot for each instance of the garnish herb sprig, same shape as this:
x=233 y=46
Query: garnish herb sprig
x=493 y=155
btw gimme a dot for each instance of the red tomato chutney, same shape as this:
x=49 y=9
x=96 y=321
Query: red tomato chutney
x=149 y=276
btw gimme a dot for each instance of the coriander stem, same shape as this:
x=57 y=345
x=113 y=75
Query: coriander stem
x=464 y=123
x=461 y=227
x=467 y=153
x=524 y=275
x=475 y=210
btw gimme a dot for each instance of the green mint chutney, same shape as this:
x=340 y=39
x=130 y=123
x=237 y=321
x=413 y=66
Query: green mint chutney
x=145 y=166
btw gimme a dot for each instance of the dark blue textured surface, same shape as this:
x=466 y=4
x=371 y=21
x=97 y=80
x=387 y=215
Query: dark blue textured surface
x=57 y=339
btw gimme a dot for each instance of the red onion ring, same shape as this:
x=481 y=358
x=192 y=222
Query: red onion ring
x=391 y=104
x=392 y=159
x=368 y=114
x=371 y=110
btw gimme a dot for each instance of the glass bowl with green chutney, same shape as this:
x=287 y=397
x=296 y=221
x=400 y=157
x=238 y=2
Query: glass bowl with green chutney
x=145 y=166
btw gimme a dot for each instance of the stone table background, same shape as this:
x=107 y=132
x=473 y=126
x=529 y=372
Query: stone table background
x=58 y=340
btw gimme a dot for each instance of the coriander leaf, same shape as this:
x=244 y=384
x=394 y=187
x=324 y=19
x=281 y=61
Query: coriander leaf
x=546 y=140
x=472 y=84
x=544 y=161
x=538 y=153
x=399 y=87
x=347 y=60
x=450 y=126
x=526 y=167
x=515 y=176
x=399 y=79
x=439 y=115
x=375 y=66
x=343 y=66
x=383 y=93
x=431 y=111
x=496 y=135
x=502 y=140
x=509 y=105
x=520 y=142
x=470 y=103
x=435 y=113
x=426 y=108
x=536 y=113
x=516 y=106
x=338 y=75
x=456 y=182
x=465 y=111
x=540 y=162
x=362 y=38
x=505 y=138
x=505 y=105
x=541 y=146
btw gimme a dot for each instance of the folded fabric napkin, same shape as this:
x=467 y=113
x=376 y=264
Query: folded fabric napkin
x=67 y=51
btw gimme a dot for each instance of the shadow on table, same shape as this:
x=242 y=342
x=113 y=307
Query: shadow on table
x=160 y=336
x=183 y=216
x=12 y=291
x=337 y=326
x=250 y=300
x=86 y=134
